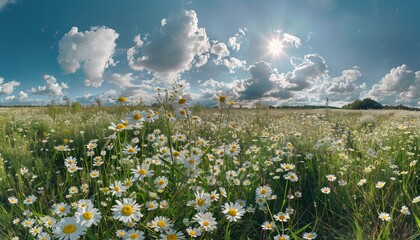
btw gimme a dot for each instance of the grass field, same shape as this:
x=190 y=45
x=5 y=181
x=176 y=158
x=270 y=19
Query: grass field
x=128 y=172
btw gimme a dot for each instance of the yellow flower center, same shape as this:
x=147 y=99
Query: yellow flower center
x=182 y=112
x=131 y=150
x=222 y=99
x=149 y=115
x=161 y=182
x=282 y=217
x=69 y=229
x=200 y=202
x=134 y=236
x=161 y=223
x=137 y=116
x=268 y=226
x=172 y=237
x=116 y=188
x=120 y=126
x=192 y=233
x=191 y=161
x=232 y=212
x=122 y=99
x=182 y=101
x=142 y=172
x=127 y=210
x=309 y=235
x=206 y=223
x=263 y=191
x=87 y=215
x=177 y=154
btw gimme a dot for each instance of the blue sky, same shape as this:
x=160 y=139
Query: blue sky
x=278 y=52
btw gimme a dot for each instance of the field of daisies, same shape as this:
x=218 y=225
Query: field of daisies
x=182 y=172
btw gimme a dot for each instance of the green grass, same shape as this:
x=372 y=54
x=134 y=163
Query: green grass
x=354 y=146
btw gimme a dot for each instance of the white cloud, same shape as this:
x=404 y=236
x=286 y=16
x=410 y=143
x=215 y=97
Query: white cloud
x=400 y=85
x=4 y=3
x=7 y=87
x=180 y=45
x=22 y=96
x=220 y=50
x=236 y=41
x=53 y=88
x=234 y=63
x=122 y=80
x=310 y=68
x=90 y=50
x=210 y=87
x=292 y=40
x=10 y=98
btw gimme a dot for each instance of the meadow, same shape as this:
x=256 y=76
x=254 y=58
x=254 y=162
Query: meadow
x=182 y=172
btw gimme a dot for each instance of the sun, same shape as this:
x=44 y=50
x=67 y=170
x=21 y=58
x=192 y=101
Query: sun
x=275 y=47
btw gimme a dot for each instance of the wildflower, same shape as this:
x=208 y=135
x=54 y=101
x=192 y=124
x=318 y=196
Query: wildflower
x=287 y=166
x=268 y=225
x=67 y=228
x=331 y=177
x=117 y=127
x=23 y=171
x=263 y=191
x=222 y=100
x=62 y=209
x=233 y=211
x=281 y=237
x=182 y=113
x=291 y=176
x=161 y=182
x=29 y=200
x=163 y=204
x=88 y=216
x=194 y=232
x=282 y=217
x=12 y=200
x=361 y=182
x=310 y=235
x=73 y=190
x=149 y=116
x=44 y=236
x=404 y=210
x=152 y=205
x=35 y=230
x=172 y=235
x=130 y=150
x=117 y=189
x=62 y=148
x=384 y=216
x=416 y=199
x=28 y=223
x=134 y=235
x=127 y=210
x=326 y=190
x=94 y=174
x=160 y=223
x=142 y=171
x=182 y=101
x=380 y=184
x=202 y=201
x=206 y=220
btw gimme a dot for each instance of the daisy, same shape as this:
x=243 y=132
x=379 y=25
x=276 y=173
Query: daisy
x=29 y=200
x=44 y=236
x=194 y=232
x=182 y=113
x=268 y=225
x=291 y=176
x=134 y=235
x=206 y=220
x=222 y=100
x=70 y=161
x=326 y=190
x=68 y=229
x=94 y=174
x=404 y=210
x=28 y=223
x=233 y=211
x=152 y=205
x=127 y=210
x=23 y=171
x=12 y=200
x=62 y=209
x=380 y=184
x=163 y=204
x=281 y=237
x=142 y=171
x=118 y=188
x=182 y=101
x=130 y=150
x=384 y=216
x=35 y=230
x=263 y=191
x=310 y=235
x=282 y=217
x=172 y=234
x=160 y=223
x=331 y=177
x=88 y=216
x=161 y=182
x=416 y=199
x=202 y=201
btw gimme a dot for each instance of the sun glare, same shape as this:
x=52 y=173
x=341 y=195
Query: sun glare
x=275 y=47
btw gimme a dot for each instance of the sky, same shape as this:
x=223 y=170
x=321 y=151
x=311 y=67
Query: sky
x=277 y=52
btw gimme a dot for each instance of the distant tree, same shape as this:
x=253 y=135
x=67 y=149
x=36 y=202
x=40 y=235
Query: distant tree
x=366 y=103
x=98 y=102
x=66 y=101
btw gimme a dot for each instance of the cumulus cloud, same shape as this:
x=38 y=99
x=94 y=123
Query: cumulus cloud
x=210 y=87
x=264 y=83
x=220 y=50
x=4 y=3
x=90 y=50
x=52 y=87
x=304 y=74
x=22 y=96
x=236 y=40
x=181 y=44
x=137 y=91
x=234 y=63
x=288 y=39
x=7 y=87
x=400 y=85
